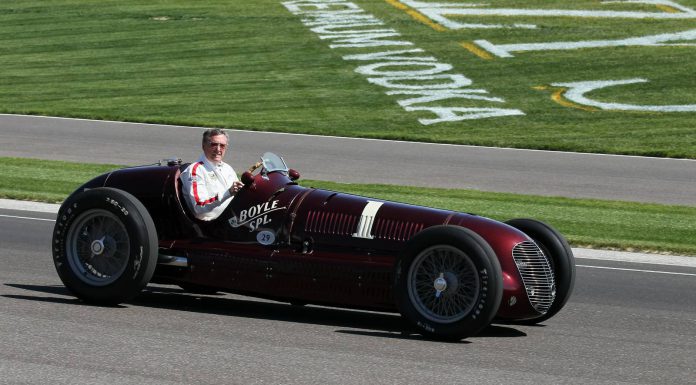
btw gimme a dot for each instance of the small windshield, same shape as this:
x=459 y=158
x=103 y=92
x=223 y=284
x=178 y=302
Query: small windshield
x=273 y=162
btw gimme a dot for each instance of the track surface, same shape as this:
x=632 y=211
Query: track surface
x=669 y=181
x=620 y=326
x=626 y=322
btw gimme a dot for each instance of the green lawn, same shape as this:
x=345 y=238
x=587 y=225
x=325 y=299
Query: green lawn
x=254 y=65
x=259 y=66
x=594 y=223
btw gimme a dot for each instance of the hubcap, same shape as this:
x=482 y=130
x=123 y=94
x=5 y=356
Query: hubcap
x=97 y=247
x=440 y=283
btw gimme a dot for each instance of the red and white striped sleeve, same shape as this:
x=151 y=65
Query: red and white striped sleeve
x=200 y=191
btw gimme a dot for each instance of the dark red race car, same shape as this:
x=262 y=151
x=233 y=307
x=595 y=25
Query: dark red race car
x=448 y=273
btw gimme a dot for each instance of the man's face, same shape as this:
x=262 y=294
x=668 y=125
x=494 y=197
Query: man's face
x=215 y=148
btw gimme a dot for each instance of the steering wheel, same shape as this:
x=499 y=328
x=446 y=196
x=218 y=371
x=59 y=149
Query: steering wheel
x=255 y=166
x=248 y=176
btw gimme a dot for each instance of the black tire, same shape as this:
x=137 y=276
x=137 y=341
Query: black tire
x=104 y=245
x=560 y=257
x=448 y=283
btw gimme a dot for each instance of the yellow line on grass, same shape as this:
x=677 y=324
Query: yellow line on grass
x=476 y=50
x=417 y=15
x=557 y=96
x=667 y=8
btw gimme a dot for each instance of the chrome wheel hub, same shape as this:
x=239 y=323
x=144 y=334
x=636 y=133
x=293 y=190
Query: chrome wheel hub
x=440 y=283
x=446 y=283
x=97 y=246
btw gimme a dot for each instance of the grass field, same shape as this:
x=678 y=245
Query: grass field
x=267 y=65
x=256 y=65
x=594 y=223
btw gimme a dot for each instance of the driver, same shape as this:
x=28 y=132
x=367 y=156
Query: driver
x=210 y=183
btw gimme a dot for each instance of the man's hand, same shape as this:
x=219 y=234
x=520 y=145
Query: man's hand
x=236 y=186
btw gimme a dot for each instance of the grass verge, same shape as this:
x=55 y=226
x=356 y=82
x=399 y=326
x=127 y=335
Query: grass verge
x=254 y=65
x=585 y=222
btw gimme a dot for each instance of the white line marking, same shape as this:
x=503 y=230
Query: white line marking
x=29 y=206
x=632 y=257
x=638 y=270
x=34 y=219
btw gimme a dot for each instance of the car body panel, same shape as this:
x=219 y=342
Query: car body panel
x=280 y=240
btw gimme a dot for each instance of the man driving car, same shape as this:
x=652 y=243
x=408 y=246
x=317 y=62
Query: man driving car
x=209 y=183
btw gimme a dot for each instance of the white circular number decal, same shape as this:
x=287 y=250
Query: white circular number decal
x=265 y=237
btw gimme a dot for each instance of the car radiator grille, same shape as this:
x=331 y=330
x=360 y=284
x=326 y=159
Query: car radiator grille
x=537 y=275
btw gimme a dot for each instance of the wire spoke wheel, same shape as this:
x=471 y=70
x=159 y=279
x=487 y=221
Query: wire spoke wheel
x=104 y=245
x=98 y=247
x=443 y=284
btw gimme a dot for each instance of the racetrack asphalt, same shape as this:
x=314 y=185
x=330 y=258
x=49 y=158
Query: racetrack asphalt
x=628 y=178
x=625 y=323
x=630 y=321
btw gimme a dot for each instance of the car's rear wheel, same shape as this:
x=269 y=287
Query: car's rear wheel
x=104 y=245
x=448 y=283
x=560 y=257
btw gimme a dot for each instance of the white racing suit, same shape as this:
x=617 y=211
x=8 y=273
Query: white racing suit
x=206 y=187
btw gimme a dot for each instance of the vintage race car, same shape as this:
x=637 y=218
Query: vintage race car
x=449 y=274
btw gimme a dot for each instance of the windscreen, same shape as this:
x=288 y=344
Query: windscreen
x=273 y=162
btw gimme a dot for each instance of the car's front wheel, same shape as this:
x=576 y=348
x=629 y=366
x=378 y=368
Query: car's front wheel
x=560 y=257
x=448 y=283
x=104 y=245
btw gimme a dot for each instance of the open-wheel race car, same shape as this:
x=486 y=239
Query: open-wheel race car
x=449 y=274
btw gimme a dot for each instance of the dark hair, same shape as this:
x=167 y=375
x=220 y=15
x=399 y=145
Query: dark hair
x=214 y=132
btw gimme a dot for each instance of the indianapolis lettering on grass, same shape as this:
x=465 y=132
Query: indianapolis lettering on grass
x=402 y=70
